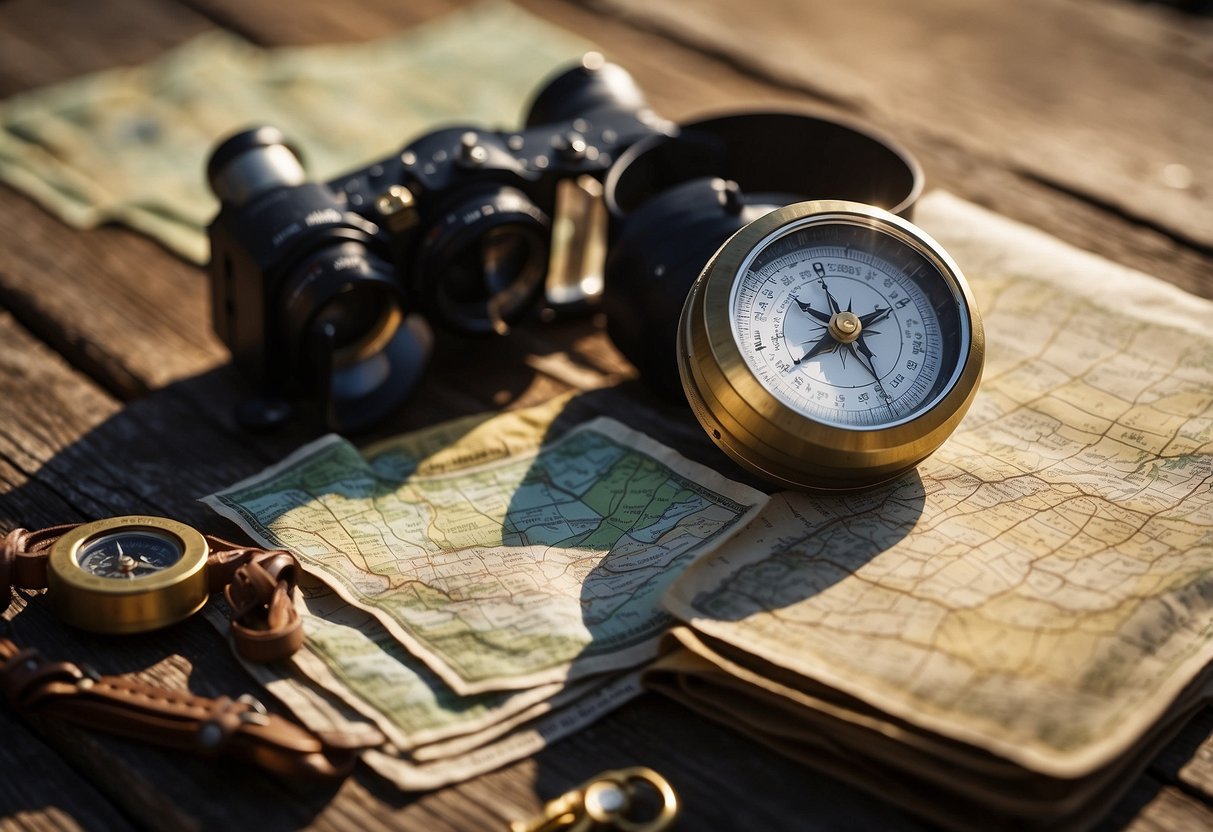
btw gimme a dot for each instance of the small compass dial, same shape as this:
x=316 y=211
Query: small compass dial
x=129 y=554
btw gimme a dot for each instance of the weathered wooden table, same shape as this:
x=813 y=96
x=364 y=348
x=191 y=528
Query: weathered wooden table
x=1092 y=119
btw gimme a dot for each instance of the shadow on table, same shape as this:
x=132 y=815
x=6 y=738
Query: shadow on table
x=157 y=456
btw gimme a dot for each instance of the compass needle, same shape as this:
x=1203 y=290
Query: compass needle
x=824 y=344
x=877 y=315
x=829 y=298
x=824 y=317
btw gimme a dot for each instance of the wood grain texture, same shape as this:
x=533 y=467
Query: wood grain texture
x=135 y=318
x=1188 y=760
x=126 y=312
x=106 y=316
x=1152 y=806
x=1105 y=115
x=154 y=456
x=43 y=41
x=316 y=21
x=685 y=79
x=33 y=799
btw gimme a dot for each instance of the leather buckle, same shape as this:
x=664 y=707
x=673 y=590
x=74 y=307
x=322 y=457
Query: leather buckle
x=256 y=714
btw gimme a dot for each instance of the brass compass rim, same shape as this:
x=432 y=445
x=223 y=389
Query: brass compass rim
x=139 y=604
x=758 y=430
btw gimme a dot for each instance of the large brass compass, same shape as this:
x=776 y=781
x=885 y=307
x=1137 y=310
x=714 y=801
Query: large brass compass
x=830 y=345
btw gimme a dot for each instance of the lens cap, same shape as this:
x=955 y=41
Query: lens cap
x=674 y=200
x=819 y=157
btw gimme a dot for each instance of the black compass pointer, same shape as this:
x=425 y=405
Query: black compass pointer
x=862 y=352
x=824 y=317
x=824 y=344
x=834 y=307
x=874 y=316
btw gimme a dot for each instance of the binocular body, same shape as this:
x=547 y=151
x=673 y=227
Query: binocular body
x=323 y=291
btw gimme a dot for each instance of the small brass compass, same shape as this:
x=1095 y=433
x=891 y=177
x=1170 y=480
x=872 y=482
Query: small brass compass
x=128 y=574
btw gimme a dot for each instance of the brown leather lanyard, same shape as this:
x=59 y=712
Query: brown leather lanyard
x=257 y=584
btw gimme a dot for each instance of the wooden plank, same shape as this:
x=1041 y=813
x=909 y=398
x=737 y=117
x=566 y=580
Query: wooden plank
x=1188 y=760
x=123 y=310
x=96 y=458
x=53 y=475
x=1152 y=806
x=315 y=21
x=724 y=781
x=135 y=318
x=1120 y=115
x=32 y=794
x=126 y=312
x=685 y=81
x=119 y=307
x=154 y=456
x=71 y=452
x=44 y=407
x=43 y=41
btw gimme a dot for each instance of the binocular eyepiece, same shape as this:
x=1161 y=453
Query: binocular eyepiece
x=324 y=292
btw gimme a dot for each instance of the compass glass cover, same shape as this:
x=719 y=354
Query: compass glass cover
x=848 y=324
x=129 y=554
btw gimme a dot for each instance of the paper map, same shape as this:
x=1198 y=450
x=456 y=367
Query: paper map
x=349 y=673
x=130 y=144
x=1043 y=585
x=534 y=568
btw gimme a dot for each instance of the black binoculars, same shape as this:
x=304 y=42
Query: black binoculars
x=324 y=292
x=319 y=289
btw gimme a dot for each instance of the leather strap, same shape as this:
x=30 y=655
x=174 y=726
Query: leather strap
x=175 y=719
x=24 y=555
x=257 y=584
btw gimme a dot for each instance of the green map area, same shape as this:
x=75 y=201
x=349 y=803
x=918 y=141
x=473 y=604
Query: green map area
x=534 y=568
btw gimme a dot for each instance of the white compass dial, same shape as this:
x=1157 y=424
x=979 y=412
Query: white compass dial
x=846 y=326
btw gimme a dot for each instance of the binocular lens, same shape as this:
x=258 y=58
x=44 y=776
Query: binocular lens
x=363 y=317
x=495 y=277
x=484 y=266
x=344 y=307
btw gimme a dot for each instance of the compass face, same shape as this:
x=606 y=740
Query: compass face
x=848 y=324
x=830 y=345
x=129 y=554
